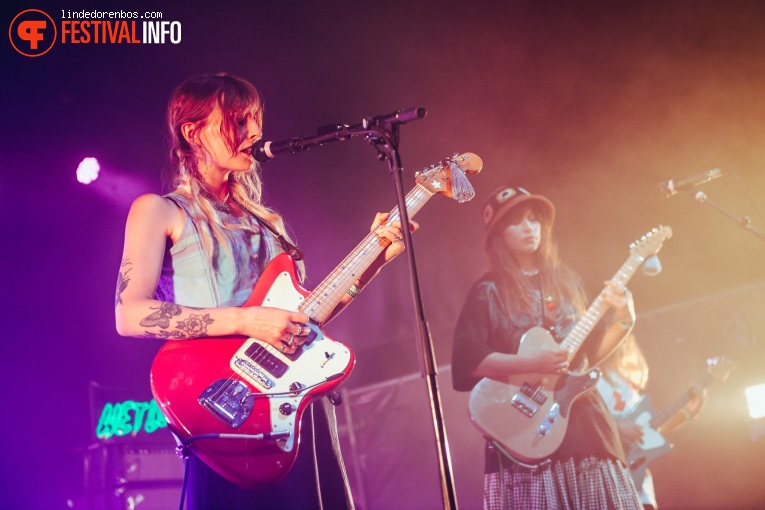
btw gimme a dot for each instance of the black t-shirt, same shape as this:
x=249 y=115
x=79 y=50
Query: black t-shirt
x=485 y=327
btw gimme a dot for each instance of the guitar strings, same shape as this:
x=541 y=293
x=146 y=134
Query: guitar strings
x=359 y=258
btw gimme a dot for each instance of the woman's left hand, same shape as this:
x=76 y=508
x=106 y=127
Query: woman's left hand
x=698 y=397
x=390 y=236
x=620 y=298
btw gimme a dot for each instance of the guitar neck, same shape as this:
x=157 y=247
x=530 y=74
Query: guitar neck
x=668 y=412
x=594 y=313
x=320 y=303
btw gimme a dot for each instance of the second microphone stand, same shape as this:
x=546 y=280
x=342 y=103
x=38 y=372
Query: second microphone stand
x=744 y=222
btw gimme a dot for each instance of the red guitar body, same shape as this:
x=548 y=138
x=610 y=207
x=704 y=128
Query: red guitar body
x=243 y=386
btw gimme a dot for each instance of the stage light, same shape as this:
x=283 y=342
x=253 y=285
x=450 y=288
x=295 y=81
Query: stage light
x=87 y=170
x=755 y=399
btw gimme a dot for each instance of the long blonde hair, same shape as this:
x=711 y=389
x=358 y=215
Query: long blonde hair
x=193 y=101
x=629 y=362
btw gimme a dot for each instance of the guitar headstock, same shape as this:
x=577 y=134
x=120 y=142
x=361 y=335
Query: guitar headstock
x=651 y=243
x=449 y=176
x=720 y=368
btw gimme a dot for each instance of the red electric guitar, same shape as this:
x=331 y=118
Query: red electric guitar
x=527 y=415
x=237 y=402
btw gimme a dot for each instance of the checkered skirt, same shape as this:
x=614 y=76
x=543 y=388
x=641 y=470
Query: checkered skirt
x=586 y=484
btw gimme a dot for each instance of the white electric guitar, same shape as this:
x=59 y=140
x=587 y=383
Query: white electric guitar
x=527 y=415
x=653 y=444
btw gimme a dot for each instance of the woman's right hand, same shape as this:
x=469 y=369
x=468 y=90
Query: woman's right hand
x=283 y=329
x=547 y=361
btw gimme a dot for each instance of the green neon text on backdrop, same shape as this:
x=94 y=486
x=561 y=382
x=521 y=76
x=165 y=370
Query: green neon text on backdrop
x=129 y=417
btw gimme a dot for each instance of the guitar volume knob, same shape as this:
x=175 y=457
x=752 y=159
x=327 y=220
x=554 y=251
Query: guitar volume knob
x=286 y=409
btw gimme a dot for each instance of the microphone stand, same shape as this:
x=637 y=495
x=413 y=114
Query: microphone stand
x=744 y=222
x=383 y=133
x=385 y=138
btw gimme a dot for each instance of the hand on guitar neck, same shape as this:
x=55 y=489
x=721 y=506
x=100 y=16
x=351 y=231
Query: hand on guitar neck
x=697 y=395
x=631 y=433
x=654 y=425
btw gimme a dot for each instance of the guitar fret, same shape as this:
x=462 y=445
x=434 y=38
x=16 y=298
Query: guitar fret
x=590 y=318
x=320 y=303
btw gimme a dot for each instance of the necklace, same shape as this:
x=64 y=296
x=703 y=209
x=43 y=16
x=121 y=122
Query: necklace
x=221 y=205
x=217 y=203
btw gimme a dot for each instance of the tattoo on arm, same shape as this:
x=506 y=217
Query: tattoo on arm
x=162 y=316
x=193 y=327
x=122 y=280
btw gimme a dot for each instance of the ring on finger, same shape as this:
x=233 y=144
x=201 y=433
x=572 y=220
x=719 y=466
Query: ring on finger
x=398 y=240
x=282 y=348
x=291 y=341
x=300 y=330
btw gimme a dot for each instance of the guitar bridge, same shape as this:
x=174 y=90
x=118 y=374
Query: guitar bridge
x=524 y=405
x=229 y=401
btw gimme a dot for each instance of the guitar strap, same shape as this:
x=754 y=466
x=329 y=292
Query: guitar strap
x=287 y=246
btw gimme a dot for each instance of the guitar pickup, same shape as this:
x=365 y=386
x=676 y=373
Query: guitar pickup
x=266 y=360
x=249 y=368
x=524 y=405
x=535 y=393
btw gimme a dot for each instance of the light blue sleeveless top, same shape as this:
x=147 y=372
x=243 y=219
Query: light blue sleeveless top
x=187 y=277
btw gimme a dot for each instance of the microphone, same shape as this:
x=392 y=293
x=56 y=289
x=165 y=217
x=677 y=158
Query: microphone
x=670 y=187
x=398 y=117
x=263 y=150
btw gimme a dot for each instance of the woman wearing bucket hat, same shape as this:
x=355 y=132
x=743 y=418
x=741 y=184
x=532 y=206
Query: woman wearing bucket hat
x=527 y=286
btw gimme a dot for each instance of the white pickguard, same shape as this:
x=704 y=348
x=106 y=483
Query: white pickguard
x=651 y=438
x=323 y=359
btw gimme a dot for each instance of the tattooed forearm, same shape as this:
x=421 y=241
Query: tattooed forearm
x=162 y=316
x=175 y=335
x=122 y=280
x=195 y=326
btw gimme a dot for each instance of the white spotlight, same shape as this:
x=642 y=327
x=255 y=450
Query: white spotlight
x=755 y=398
x=87 y=170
